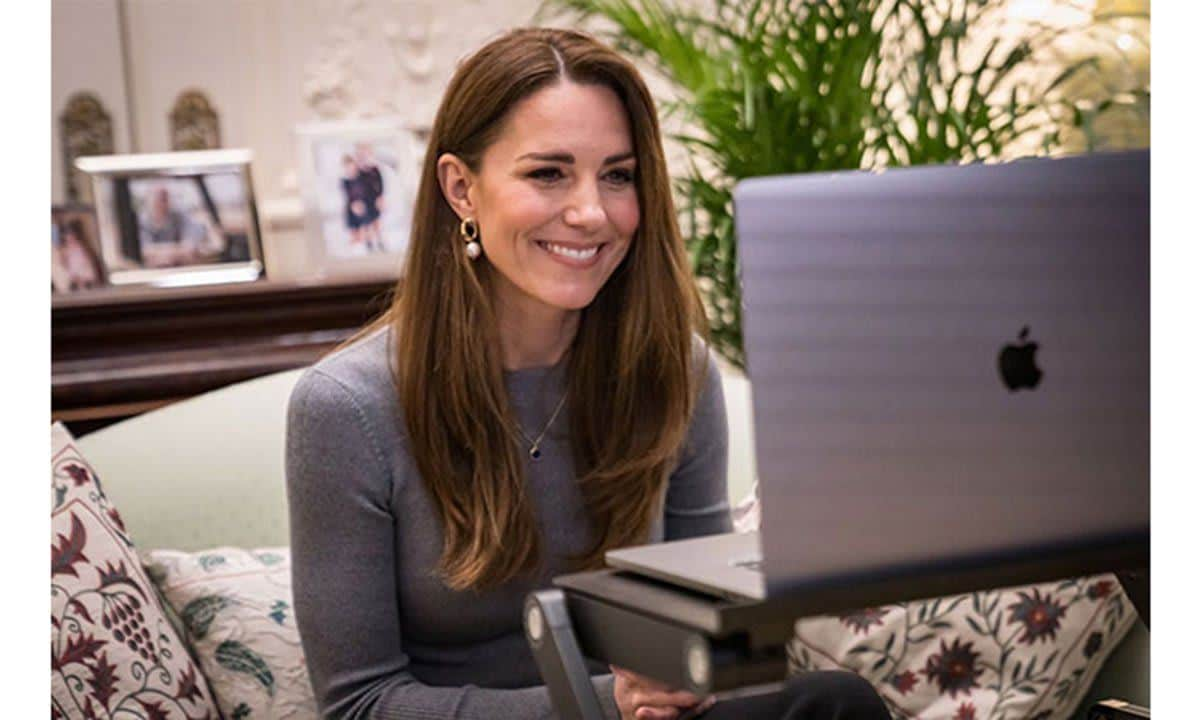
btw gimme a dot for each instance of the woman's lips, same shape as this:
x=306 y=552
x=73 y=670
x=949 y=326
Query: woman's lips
x=572 y=256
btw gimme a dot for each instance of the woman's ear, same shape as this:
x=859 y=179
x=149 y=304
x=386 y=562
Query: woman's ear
x=457 y=183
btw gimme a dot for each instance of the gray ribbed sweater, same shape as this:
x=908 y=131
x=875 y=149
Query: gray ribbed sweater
x=383 y=637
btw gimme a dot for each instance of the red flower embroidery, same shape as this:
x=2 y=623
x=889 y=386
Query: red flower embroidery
x=862 y=620
x=116 y=519
x=68 y=550
x=188 y=689
x=89 y=713
x=1100 y=589
x=966 y=711
x=154 y=710
x=103 y=680
x=78 y=473
x=903 y=682
x=78 y=649
x=954 y=668
x=1040 y=616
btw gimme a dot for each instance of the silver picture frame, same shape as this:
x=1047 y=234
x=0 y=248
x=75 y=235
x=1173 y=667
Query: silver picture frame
x=177 y=219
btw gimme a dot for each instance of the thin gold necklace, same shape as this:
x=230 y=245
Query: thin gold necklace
x=534 y=450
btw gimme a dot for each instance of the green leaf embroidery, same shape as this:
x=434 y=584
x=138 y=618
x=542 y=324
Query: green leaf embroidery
x=1049 y=660
x=241 y=711
x=269 y=558
x=199 y=613
x=208 y=562
x=278 y=612
x=233 y=655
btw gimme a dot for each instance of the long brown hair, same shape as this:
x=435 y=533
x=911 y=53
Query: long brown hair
x=629 y=367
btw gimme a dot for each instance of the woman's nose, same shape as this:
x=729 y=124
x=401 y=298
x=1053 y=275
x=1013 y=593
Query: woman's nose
x=585 y=210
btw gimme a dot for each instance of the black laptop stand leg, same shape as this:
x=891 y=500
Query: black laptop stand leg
x=556 y=650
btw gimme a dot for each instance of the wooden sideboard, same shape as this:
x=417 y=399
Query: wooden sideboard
x=118 y=352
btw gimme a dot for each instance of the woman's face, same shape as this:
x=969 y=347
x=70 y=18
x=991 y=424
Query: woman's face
x=555 y=198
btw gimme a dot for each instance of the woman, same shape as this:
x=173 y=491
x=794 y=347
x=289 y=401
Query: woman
x=535 y=395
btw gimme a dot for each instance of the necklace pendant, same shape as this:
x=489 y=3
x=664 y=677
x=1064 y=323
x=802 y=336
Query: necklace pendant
x=535 y=453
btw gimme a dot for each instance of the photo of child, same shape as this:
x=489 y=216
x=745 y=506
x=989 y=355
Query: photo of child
x=75 y=251
x=362 y=186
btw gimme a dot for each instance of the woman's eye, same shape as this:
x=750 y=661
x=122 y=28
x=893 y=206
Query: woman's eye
x=547 y=174
x=621 y=176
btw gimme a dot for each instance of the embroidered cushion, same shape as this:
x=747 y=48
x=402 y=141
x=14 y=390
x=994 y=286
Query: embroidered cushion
x=1023 y=652
x=236 y=606
x=113 y=652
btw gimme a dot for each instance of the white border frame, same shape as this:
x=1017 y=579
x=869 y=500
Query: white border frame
x=320 y=263
x=110 y=167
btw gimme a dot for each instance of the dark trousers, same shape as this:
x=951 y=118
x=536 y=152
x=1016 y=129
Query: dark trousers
x=823 y=695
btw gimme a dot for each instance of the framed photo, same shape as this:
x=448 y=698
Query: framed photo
x=359 y=181
x=172 y=219
x=75 y=249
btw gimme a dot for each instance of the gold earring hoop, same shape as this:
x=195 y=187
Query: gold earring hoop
x=469 y=229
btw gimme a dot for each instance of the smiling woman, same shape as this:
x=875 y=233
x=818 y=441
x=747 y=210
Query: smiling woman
x=538 y=393
x=557 y=220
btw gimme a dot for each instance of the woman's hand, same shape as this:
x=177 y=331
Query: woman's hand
x=641 y=698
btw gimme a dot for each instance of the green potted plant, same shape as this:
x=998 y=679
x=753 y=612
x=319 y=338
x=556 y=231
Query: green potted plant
x=771 y=87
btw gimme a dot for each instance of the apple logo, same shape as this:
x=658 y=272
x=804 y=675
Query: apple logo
x=1018 y=367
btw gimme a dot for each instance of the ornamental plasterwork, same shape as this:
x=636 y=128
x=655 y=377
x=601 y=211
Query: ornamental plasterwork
x=194 y=123
x=393 y=57
x=86 y=129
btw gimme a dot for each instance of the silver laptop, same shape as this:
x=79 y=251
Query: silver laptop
x=949 y=364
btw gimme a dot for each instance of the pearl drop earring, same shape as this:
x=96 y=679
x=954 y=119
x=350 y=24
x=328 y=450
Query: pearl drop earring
x=469 y=229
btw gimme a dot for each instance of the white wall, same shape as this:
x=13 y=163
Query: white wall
x=85 y=54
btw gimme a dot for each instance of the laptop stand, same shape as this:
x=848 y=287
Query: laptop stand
x=707 y=644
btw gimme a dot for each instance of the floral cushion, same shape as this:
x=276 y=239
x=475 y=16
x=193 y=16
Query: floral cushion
x=236 y=606
x=1023 y=652
x=113 y=652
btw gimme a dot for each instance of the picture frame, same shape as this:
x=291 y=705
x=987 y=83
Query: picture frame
x=177 y=219
x=358 y=183
x=75 y=257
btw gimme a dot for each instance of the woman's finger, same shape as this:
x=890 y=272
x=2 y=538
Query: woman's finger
x=659 y=698
x=648 y=712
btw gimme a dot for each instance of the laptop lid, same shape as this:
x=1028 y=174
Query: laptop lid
x=950 y=364
x=726 y=565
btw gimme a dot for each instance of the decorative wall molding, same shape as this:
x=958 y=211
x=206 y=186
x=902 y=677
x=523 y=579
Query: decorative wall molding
x=374 y=60
x=86 y=129
x=194 y=123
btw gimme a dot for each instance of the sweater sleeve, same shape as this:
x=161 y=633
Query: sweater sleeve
x=344 y=574
x=697 y=500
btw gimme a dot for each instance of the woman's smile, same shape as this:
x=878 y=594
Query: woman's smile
x=575 y=256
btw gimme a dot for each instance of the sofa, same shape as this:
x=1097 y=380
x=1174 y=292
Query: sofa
x=196 y=492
